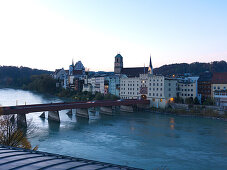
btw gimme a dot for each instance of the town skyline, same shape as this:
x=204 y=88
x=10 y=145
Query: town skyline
x=95 y=31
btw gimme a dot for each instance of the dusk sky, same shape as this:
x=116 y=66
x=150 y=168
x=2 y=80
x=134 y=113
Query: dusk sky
x=48 y=34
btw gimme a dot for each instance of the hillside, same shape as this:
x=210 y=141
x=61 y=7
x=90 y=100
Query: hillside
x=17 y=76
x=194 y=68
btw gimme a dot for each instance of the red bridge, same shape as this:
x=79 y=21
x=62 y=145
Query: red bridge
x=24 y=109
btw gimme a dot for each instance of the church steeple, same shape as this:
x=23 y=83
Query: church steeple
x=72 y=63
x=150 y=68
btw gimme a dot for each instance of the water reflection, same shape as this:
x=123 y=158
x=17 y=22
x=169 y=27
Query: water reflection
x=172 y=123
x=53 y=125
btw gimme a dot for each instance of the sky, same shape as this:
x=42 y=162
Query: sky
x=48 y=34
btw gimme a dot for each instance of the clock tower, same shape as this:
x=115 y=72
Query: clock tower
x=118 y=64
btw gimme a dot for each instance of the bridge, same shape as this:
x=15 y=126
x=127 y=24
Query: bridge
x=81 y=108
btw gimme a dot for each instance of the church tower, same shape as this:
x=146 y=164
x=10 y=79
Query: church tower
x=118 y=64
x=150 y=68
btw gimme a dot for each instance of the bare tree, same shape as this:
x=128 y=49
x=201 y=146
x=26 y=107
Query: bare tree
x=12 y=135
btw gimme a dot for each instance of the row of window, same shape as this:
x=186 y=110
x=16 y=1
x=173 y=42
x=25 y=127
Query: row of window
x=187 y=85
x=187 y=90
x=219 y=88
x=145 y=82
x=186 y=94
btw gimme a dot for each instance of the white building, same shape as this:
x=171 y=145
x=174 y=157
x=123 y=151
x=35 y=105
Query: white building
x=94 y=84
x=188 y=87
x=158 y=89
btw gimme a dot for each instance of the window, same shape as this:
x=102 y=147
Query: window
x=191 y=94
x=157 y=94
x=149 y=94
x=188 y=94
x=161 y=84
x=153 y=94
x=153 y=89
x=169 y=95
x=218 y=88
x=157 y=84
x=160 y=88
x=191 y=89
x=188 y=89
x=169 y=84
x=157 y=88
x=214 y=87
x=185 y=94
x=161 y=94
x=182 y=94
x=150 y=84
x=153 y=84
x=169 y=89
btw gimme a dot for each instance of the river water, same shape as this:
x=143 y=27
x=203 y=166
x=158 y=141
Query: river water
x=141 y=139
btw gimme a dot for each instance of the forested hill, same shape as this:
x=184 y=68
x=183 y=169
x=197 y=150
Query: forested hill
x=17 y=76
x=194 y=68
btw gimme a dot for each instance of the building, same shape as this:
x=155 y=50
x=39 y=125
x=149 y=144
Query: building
x=204 y=86
x=158 y=89
x=187 y=87
x=112 y=85
x=60 y=75
x=219 y=89
x=130 y=72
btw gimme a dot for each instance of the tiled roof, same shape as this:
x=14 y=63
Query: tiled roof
x=17 y=158
x=219 y=78
x=134 y=71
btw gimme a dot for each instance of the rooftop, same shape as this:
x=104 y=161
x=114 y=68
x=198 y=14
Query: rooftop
x=219 y=78
x=17 y=158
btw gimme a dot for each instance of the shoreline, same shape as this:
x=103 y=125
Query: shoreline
x=194 y=114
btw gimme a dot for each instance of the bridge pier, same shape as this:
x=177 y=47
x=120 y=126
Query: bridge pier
x=70 y=112
x=126 y=108
x=42 y=115
x=54 y=115
x=106 y=110
x=82 y=113
x=21 y=121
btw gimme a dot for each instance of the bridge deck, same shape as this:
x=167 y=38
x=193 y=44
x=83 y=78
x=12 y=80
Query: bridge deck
x=17 y=158
x=23 y=109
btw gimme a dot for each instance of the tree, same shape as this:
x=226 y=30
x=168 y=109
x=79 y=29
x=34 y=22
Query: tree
x=209 y=101
x=11 y=135
x=196 y=100
x=178 y=100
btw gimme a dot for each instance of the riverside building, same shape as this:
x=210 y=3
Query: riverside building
x=187 y=87
x=158 y=89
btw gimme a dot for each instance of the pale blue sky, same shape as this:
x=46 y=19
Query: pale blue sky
x=47 y=34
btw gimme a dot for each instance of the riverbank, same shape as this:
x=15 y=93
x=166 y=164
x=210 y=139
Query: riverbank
x=208 y=113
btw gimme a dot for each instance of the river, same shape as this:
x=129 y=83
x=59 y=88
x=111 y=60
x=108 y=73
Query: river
x=141 y=139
